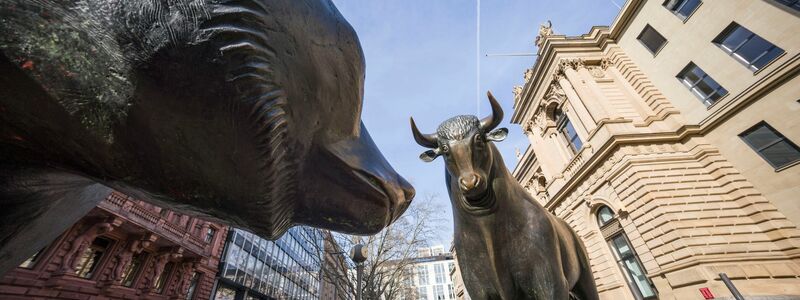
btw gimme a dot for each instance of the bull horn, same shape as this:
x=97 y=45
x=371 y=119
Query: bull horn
x=490 y=122
x=424 y=140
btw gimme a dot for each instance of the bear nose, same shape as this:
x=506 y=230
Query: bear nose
x=468 y=181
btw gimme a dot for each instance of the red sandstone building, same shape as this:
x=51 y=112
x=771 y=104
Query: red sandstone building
x=123 y=249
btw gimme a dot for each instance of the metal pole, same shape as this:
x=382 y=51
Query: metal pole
x=359 y=271
x=731 y=287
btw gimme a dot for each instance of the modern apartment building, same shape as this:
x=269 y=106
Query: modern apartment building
x=668 y=141
x=431 y=275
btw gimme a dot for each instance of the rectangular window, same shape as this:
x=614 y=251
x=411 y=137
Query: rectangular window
x=793 y=4
x=703 y=86
x=565 y=127
x=423 y=293
x=682 y=8
x=161 y=280
x=438 y=292
x=747 y=47
x=651 y=39
x=771 y=145
x=132 y=270
x=422 y=274
x=91 y=257
x=628 y=260
x=439 y=269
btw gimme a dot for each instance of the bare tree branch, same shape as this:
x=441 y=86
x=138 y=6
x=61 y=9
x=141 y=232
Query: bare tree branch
x=391 y=252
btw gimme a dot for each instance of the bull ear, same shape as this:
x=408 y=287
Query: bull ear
x=428 y=156
x=497 y=135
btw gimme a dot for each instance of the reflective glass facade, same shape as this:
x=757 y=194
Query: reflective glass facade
x=287 y=268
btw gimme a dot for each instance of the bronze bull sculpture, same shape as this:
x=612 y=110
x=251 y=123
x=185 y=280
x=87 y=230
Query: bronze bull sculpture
x=242 y=111
x=508 y=245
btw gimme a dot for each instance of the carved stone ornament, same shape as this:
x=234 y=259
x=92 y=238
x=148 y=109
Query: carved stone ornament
x=528 y=74
x=605 y=63
x=596 y=71
x=517 y=93
x=541 y=121
x=555 y=93
x=80 y=243
x=544 y=31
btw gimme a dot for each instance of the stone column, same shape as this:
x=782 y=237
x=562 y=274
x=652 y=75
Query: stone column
x=585 y=118
x=576 y=75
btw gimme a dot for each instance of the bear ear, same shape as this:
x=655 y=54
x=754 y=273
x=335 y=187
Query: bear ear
x=428 y=156
x=497 y=135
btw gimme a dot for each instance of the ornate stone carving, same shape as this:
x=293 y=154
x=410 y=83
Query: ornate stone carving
x=159 y=263
x=544 y=31
x=555 y=92
x=517 y=93
x=81 y=242
x=605 y=63
x=180 y=284
x=572 y=63
x=125 y=257
x=597 y=72
x=527 y=126
x=528 y=74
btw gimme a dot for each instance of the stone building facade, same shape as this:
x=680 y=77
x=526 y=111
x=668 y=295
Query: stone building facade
x=668 y=141
x=123 y=249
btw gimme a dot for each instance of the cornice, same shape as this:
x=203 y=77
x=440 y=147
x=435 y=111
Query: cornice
x=596 y=40
x=603 y=152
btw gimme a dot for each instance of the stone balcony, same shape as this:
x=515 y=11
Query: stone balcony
x=145 y=217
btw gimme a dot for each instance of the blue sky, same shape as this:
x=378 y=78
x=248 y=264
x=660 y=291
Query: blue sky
x=421 y=62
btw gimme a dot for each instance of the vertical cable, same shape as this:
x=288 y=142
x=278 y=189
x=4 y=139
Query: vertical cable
x=478 y=59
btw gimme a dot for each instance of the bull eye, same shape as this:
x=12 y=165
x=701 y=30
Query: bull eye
x=445 y=149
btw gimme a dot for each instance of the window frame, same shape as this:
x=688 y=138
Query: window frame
x=618 y=258
x=731 y=28
x=779 y=138
x=562 y=121
x=675 y=11
x=794 y=7
x=663 y=44
x=706 y=100
x=88 y=267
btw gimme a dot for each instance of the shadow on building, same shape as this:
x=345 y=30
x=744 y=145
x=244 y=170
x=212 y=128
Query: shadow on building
x=123 y=249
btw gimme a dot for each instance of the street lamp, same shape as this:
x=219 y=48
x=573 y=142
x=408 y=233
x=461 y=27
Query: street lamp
x=358 y=254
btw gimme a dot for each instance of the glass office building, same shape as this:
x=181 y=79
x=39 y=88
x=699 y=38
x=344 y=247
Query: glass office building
x=257 y=269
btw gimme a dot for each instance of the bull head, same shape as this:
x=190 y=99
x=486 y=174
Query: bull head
x=464 y=142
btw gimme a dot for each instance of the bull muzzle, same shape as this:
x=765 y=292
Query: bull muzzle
x=469 y=182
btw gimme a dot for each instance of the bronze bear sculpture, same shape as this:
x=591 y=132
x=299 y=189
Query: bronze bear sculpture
x=242 y=111
x=508 y=245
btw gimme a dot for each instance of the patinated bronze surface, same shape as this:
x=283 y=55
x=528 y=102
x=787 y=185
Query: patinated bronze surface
x=246 y=111
x=508 y=245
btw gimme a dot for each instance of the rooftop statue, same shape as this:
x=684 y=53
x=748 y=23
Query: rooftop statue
x=246 y=112
x=509 y=246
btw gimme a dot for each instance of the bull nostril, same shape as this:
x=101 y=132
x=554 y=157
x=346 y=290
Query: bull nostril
x=469 y=182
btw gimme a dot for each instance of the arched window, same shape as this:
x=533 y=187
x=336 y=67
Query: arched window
x=625 y=255
x=604 y=216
